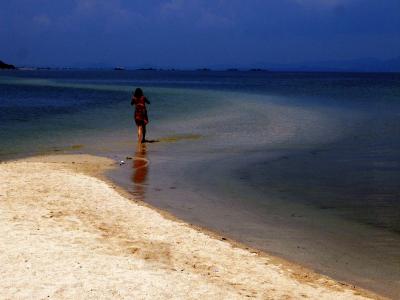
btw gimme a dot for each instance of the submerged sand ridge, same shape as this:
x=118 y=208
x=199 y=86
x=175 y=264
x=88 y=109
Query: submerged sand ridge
x=66 y=234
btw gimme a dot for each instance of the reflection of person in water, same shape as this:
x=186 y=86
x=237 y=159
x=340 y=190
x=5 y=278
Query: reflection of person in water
x=141 y=119
x=140 y=170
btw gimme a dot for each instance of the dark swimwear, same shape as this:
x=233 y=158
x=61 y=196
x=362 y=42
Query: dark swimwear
x=141 y=118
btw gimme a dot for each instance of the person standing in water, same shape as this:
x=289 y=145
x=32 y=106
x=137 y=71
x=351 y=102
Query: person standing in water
x=141 y=119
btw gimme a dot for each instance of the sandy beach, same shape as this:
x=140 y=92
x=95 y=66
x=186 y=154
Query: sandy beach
x=67 y=233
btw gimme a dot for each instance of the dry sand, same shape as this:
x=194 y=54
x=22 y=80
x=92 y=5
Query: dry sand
x=66 y=234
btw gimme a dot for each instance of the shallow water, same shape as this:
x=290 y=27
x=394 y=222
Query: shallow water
x=305 y=166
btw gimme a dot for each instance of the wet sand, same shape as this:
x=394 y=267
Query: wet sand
x=68 y=233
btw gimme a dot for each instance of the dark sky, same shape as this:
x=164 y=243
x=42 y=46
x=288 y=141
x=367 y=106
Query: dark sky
x=193 y=33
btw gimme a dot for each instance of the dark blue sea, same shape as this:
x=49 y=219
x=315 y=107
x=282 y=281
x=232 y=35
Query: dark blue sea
x=302 y=165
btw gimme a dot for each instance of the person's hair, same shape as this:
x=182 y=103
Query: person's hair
x=138 y=93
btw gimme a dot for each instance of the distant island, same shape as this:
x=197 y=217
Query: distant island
x=146 y=69
x=258 y=70
x=3 y=65
x=357 y=65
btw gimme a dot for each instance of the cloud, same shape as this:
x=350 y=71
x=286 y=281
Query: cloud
x=96 y=7
x=42 y=20
x=209 y=19
x=201 y=14
x=99 y=17
x=172 y=6
x=86 y=5
x=104 y=8
x=324 y=3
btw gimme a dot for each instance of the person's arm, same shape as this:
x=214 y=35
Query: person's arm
x=146 y=100
x=132 y=100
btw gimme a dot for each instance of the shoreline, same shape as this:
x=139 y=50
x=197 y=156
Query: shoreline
x=222 y=267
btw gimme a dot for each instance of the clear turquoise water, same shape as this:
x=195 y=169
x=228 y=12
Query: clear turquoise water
x=304 y=165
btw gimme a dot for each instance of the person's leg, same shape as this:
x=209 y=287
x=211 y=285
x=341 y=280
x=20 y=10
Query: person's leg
x=144 y=134
x=140 y=133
